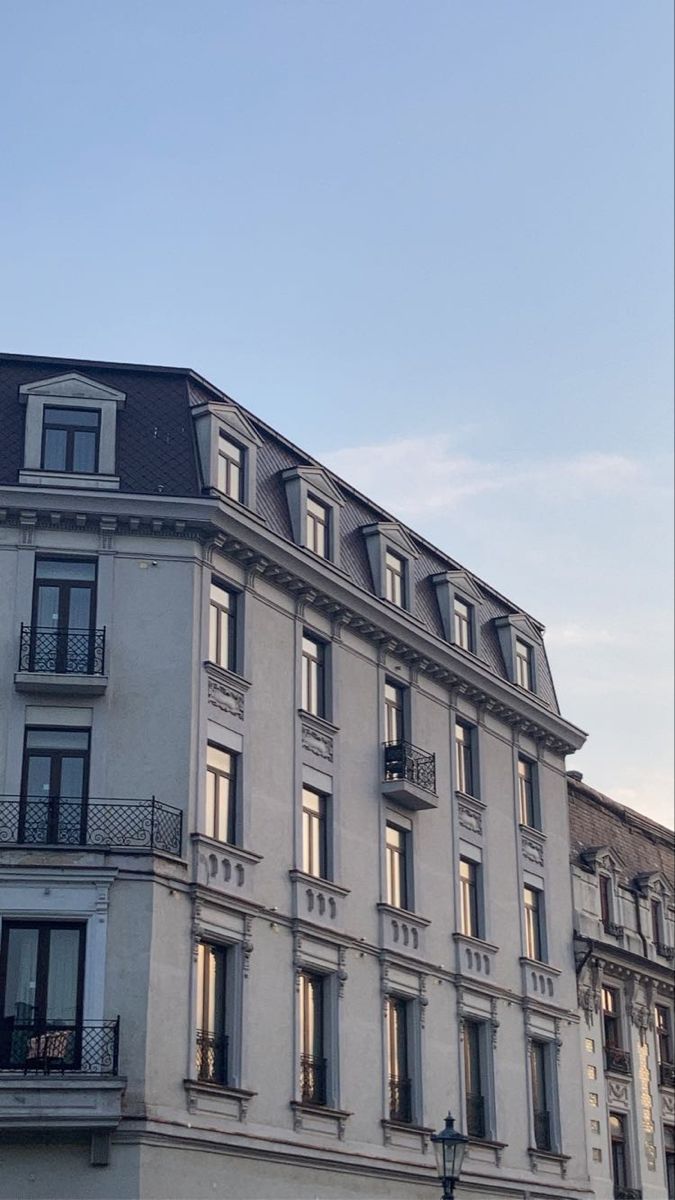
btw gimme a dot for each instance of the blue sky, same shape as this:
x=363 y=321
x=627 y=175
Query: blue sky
x=428 y=240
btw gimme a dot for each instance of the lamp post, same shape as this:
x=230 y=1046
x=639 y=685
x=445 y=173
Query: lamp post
x=449 y=1148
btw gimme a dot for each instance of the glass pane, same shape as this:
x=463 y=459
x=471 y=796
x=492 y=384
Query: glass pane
x=220 y=759
x=63 y=568
x=213 y=633
x=210 y=816
x=57 y=739
x=72 y=416
x=79 y=608
x=47 y=607
x=84 y=450
x=21 y=984
x=64 y=954
x=38 y=775
x=54 y=456
x=72 y=778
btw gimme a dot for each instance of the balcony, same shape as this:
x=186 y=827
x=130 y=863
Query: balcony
x=61 y=823
x=400 y=1099
x=475 y=1116
x=61 y=1075
x=212 y=1057
x=667 y=1075
x=312 y=1080
x=61 y=662
x=617 y=1060
x=626 y=1193
x=409 y=775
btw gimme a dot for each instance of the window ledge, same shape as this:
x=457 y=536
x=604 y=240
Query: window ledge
x=539 y=979
x=60 y=1101
x=320 y=722
x=475 y=957
x=219 y=1099
x=224 y=868
x=69 y=479
x=406 y=1135
x=532 y=831
x=316 y=881
x=67 y=684
x=401 y=931
x=485 y=1150
x=319 y=1118
x=226 y=675
x=548 y=1158
x=318 y=901
x=471 y=799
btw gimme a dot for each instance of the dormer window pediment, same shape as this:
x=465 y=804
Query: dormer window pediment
x=602 y=858
x=391 y=553
x=519 y=638
x=70 y=432
x=459 y=606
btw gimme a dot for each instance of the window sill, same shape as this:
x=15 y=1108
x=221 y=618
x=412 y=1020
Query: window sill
x=223 y=868
x=485 y=1150
x=318 y=901
x=317 y=881
x=401 y=931
x=67 y=684
x=68 y=479
x=539 y=979
x=319 y=1118
x=321 y=722
x=471 y=798
x=226 y=675
x=548 y=1158
x=406 y=1134
x=217 y=1099
x=533 y=831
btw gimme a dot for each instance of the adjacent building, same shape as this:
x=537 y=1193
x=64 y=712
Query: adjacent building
x=623 y=874
x=284 y=847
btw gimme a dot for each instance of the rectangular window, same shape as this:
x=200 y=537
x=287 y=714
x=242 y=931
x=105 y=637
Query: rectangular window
x=463 y=620
x=399 y=1060
x=523 y=665
x=70 y=439
x=534 y=947
x=394 y=723
x=221 y=794
x=657 y=922
x=223 y=627
x=605 y=886
x=212 y=1042
x=540 y=1066
x=62 y=635
x=313 y=676
x=469 y=883
x=527 y=798
x=617 y=1133
x=611 y=1018
x=476 y=1123
x=398 y=867
x=313 y=1065
x=230 y=469
x=317 y=528
x=54 y=787
x=314 y=833
x=464 y=765
x=41 y=988
x=394 y=578
x=664 y=1034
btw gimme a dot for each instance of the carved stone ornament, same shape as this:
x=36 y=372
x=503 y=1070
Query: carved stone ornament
x=470 y=818
x=226 y=698
x=617 y=1091
x=317 y=742
x=533 y=850
x=589 y=1002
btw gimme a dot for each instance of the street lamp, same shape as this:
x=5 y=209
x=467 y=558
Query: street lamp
x=449 y=1148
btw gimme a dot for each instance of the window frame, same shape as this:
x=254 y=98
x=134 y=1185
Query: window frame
x=240 y=465
x=315 y=521
x=224 y=952
x=401 y=1054
x=535 y=929
x=230 y=616
x=463 y=623
x=314 y=983
x=57 y=755
x=44 y=927
x=401 y=897
x=399 y=706
x=624 y=1183
x=475 y=1025
x=466 y=754
x=70 y=430
x=319 y=705
x=319 y=817
x=543 y=1048
x=234 y=786
x=471 y=899
x=528 y=806
x=395 y=579
x=612 y=1017
x=79 y=393
x=664 y=1033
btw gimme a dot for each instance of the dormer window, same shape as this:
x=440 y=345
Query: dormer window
x=317 y=518
x=71 y=432
x=657 y=923
x=463 y=620
x=230 y=469
x=314 y=505
x=524 y=672
x=394 y=578
x=70 y=440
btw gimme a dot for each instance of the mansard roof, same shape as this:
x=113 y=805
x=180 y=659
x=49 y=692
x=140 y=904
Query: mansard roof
x=643 y=847
x=156 y=455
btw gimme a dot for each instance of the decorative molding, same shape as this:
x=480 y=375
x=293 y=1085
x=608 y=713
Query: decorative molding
x=226 y=698
x=617 y=1091
x=316 y=741
x=470 y=813
x=533 y=849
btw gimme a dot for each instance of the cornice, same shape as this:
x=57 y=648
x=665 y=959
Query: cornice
x=240 y=536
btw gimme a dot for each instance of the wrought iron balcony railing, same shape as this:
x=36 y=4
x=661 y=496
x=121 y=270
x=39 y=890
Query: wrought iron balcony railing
x=404 y=761
x=617 y=1059
x=212 y=1057
x=85 y=1047
x=626 y=1193
x=475 y=1115
x=613 y=929
x=95 y=823
x=665 y=951
x=400 y=1099
x=542 y=1130
x=62 y=651
x=667 y=1075
x=312 y=1079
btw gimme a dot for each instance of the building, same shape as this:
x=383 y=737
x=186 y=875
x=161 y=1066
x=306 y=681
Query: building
x=623 y=875
x=284 y=849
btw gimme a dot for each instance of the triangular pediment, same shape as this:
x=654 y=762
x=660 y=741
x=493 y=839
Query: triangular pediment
x=654 y=881
x=394 y=533
x=602 y=856
x=523 y=624
x=233 y=417
x=318 y=480
x=72 y=386
x=461 y=583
